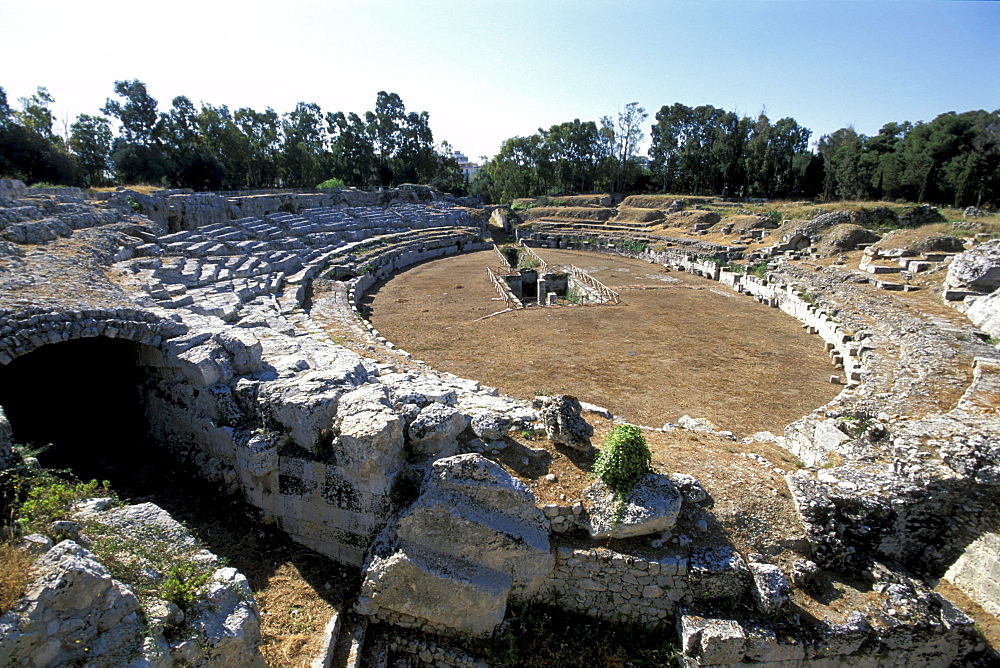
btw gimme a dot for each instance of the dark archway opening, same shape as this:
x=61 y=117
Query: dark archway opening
x=82 y=396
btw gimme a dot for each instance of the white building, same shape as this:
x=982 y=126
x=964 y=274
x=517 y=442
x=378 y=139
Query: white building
x=468 y=168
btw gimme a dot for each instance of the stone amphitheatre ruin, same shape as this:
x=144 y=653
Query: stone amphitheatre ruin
x=215 y=314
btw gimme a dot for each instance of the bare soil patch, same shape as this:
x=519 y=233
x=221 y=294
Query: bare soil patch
x=678 y=344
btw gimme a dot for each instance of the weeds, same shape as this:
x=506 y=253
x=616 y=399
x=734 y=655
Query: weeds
x=634 y=246
x=15 y=575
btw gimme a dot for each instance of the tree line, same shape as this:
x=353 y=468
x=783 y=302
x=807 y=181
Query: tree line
x=705 y=150
x=208 y=147
x=953 y=159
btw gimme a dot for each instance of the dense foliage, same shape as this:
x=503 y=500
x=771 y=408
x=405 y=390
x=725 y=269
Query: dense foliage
x=953 y=159
x=624 y=458
x=210 y=148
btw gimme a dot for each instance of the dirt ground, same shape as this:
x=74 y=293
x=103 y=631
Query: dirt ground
x=677 y=344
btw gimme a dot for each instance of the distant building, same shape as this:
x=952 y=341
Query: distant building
x=468 y=168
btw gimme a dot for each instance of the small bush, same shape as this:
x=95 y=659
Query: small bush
x=624 y=459
x=49 y=499
x=634 y=246
x=332 y=184
x=184 y=583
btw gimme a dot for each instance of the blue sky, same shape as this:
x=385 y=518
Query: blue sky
x=487 y=70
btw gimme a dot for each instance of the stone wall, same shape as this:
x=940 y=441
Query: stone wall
x=977 y=572
x=610 y=585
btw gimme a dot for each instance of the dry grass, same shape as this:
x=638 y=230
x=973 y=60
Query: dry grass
x=573 y=212
x=15 y=575
x=679 y=344
x=145 y=189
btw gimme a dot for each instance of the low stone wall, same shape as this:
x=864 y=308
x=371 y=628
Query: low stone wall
x=609 y=585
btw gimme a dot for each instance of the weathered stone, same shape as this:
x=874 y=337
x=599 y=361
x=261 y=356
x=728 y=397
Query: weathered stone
x=449 y=593
x=651 y=506
x=73 y=592
x=563 y=422
x=977 y=269
x=435 y=430
x=770 y=588
x=718 y=573
x=490 y=426
x=712 y=641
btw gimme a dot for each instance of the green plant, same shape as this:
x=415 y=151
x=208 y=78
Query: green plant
x=135 y=206
x=759 y=270
x=634 y=246
x=332 y=184
x=49 y=499
x=808 y=297
x=993 y=340
x=572 y=295
x=775 y=217
x=624 y=458
x=183 y=584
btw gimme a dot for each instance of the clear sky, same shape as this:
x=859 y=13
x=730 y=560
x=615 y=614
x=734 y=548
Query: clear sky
x=487 y=70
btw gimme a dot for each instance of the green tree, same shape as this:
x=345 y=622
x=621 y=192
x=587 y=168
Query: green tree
x=304 y=146
x=90 y=139
x=623 y=136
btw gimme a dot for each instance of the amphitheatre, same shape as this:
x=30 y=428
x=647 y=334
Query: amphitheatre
x=402 y=395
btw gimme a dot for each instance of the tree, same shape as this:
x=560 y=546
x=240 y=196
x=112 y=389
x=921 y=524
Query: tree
x=138 y=116
x=90 y=140
x=841 y=153
x=35 y=114
x=624 y=137
x=304 y=146
x=259 y=164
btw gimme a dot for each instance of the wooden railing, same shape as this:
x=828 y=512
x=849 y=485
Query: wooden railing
x=504 y=290
x=607 y=293
x=542 y=263
x=504 y=262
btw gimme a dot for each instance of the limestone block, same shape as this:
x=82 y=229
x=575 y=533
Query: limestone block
x=435 y=430
x=452 y=525
x=486 y=483
x=200 y=365
x=770 y=588
x=763 y=646
x=244 y=349
x=563 y=422
x=420 y=390
x=984 y=312
x=73 y=604
x=977 y=572
x=712 y=641
x=371 y=439
x=652 y=506
x=491 y=426
x=259 y=456
x=977 y=269
x=229 y=622
x=449 y=593
x=717 y=573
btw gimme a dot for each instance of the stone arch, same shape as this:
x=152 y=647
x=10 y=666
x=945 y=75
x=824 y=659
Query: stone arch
x=22 y=332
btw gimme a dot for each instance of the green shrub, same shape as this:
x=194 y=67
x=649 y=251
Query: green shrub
x=49 y=499
x=332 y=184
x=624 y=458
x=184 y=583
x=634 y=246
